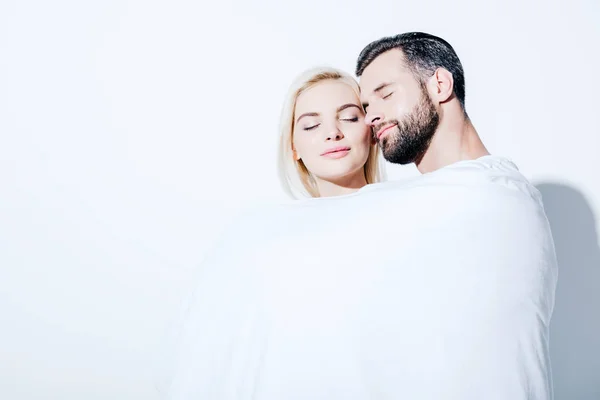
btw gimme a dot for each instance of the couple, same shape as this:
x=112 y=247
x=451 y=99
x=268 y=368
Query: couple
x=437 y=287
x=413 y=92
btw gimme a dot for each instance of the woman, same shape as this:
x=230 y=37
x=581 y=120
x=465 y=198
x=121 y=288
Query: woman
x=326 y=149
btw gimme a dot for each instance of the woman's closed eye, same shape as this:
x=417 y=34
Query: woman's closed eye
x=388 y=95
x=347 y=119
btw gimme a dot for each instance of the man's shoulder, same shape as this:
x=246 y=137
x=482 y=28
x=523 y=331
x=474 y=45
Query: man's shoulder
x=493 y=173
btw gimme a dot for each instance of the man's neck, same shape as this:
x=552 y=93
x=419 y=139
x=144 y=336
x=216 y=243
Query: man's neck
x=455 y=140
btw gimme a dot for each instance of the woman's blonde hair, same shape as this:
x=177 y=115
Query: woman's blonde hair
x=295 y=178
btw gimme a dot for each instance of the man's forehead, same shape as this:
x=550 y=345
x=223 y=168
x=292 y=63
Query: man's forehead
x=385 y=68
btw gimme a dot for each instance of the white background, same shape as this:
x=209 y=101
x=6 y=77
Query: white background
x=132 y=131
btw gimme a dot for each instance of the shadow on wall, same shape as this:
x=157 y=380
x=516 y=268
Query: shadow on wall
x=575 y=326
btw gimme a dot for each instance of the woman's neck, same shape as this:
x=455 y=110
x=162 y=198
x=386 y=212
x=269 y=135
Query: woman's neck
x=346 y=185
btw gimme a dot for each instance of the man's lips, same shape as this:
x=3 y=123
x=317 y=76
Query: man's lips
x=382 y=131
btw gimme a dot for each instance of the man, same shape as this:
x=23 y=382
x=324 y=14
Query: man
x=413 y=89
x=439 y=287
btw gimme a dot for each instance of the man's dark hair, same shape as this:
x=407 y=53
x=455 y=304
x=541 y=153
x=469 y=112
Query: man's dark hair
x=424 y=53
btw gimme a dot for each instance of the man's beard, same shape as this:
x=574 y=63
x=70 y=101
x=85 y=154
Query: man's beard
x=410 y=138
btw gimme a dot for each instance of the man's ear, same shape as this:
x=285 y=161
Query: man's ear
x=441 y=85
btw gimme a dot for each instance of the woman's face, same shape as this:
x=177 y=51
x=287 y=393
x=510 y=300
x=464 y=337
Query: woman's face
x=330 y=135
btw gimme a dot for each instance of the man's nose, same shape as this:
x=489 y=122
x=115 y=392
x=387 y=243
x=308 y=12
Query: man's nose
x=373 y=118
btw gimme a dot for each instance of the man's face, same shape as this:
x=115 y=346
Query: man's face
x=399 y=110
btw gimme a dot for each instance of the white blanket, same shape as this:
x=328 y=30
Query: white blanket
x=440 y=287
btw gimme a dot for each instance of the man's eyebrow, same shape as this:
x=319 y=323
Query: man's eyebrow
x=382 y=86
x=308 y=114
x=377 y=90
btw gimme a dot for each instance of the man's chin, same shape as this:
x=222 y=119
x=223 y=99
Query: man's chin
x=398 y=161
x=395 y=155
